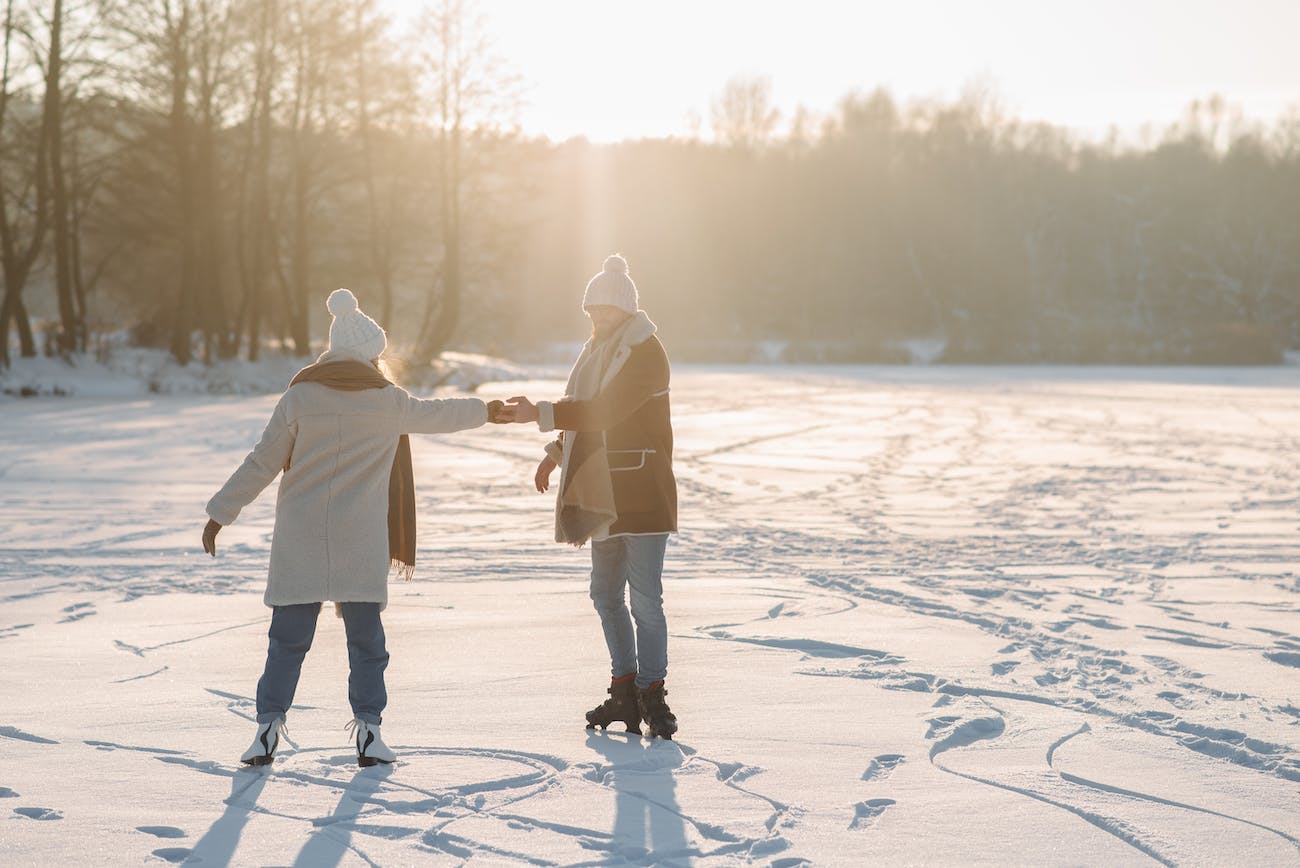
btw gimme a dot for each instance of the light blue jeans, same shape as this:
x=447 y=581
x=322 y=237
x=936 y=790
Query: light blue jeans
x=635 y=562
x=291 y=634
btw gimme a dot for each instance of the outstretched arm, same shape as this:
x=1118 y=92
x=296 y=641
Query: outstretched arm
x=442 y=415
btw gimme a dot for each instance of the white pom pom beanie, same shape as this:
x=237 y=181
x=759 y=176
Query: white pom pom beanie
x=612 y=286
x=353 y=332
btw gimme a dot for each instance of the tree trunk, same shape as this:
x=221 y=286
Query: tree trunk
x=69 y=324
x=300 y=266
x=182 y=324
x=443 y=327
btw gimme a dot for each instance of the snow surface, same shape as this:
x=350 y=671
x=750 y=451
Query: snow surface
x=937 y=616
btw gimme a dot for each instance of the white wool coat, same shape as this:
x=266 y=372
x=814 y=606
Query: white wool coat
x=331 y=514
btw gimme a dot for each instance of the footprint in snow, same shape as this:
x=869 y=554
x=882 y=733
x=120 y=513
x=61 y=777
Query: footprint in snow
x=77 y=611
x=866 y=813
x=161 y=831
x=6 y=793
x=16 y=733
x=1286 y=658
x=39 y=813
x=882 y=766
x=173 y=854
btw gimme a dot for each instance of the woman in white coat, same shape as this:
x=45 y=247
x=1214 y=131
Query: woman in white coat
x=344 y=514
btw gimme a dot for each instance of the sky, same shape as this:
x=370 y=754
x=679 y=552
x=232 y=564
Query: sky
x=614 y=69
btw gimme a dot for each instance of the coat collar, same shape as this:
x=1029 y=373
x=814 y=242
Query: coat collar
x=636 y=331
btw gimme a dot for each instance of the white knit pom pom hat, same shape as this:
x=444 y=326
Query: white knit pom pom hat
x=353 y=332
x=612 y=286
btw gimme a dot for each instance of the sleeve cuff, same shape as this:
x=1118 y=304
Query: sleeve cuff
x=223 y=518
x=545 y=416
x=556 y=452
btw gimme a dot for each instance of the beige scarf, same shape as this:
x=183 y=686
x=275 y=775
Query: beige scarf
x=353 y=376
x=585 y=506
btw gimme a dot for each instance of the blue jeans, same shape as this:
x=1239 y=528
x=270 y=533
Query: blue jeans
x=293 y=628
x=636 y=562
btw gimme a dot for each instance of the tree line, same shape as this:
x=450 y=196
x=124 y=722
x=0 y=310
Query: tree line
x=203 y=172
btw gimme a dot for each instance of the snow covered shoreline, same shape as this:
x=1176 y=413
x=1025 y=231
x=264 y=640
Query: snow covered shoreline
x=126 y=372
x=918 y=615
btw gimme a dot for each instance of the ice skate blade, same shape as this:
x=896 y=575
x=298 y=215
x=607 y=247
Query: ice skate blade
x=604 y=727
x=367 y=761
x=258 y=761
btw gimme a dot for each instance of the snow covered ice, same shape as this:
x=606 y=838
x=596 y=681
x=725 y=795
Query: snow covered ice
x=1030 y=616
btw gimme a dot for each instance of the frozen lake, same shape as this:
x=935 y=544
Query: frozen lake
x=1021 y=615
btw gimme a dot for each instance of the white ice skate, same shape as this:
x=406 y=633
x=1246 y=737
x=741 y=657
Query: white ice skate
x=262 y=750
x=370 y=747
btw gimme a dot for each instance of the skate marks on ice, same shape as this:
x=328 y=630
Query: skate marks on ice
x=641 y=801
x=157 y=671
x=1076 y=526
x=687 y=805
x=142 y=650
x=993 y=747
x=1132 y=552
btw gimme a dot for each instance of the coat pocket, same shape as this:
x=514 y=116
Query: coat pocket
x=625 y=460
x=633 y=474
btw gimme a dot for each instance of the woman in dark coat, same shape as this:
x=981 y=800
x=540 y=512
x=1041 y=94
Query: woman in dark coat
x=617 y=490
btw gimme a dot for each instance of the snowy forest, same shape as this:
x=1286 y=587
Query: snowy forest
x=196 y=175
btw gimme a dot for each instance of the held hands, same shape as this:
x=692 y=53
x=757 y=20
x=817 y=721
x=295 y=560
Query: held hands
x=524 y=409
x=501 y=413
x=210 y=537
x=517 y=409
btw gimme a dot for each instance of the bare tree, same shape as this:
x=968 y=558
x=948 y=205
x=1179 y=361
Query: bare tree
x=312 y=120
x=177 y=55
x=254 y=232
x=475 y=102
x=24 y=215
x=68 y=66
x=742 y=115
x=385 y=107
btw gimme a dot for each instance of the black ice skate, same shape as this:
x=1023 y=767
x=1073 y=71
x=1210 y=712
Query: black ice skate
x=654 y=709
x=621 y=705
